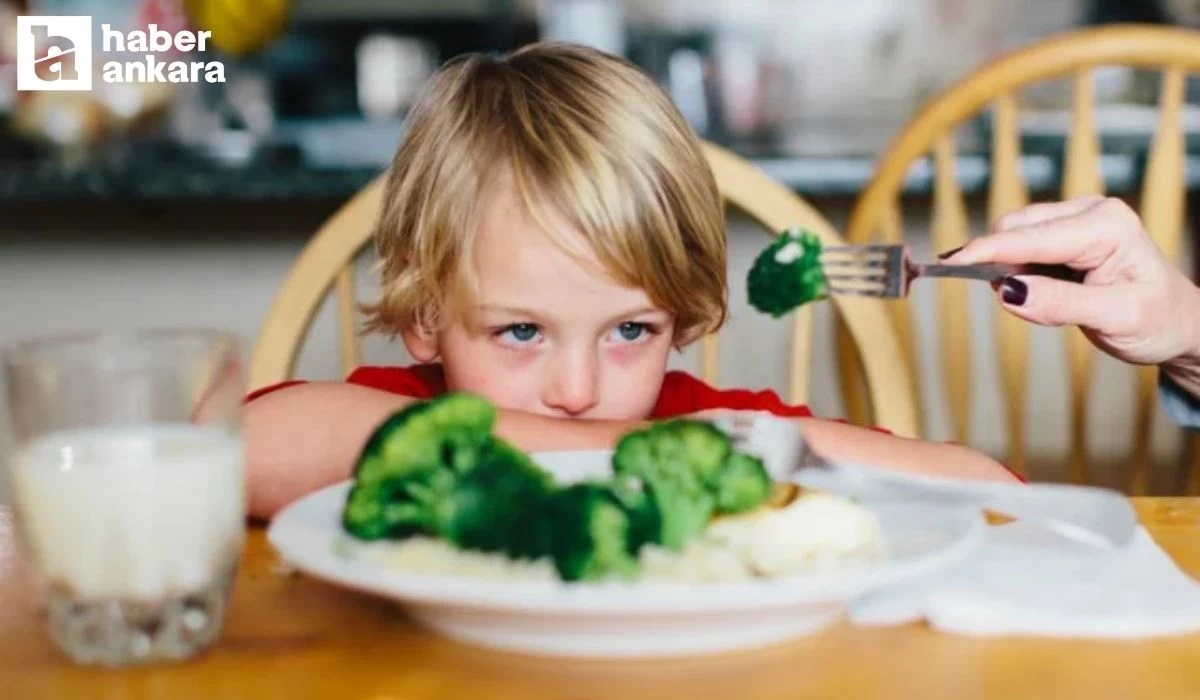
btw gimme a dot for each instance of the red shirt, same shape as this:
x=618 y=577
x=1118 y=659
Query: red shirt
x=681 y=393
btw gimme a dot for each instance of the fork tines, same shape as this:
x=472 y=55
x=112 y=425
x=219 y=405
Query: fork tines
x=869 y=270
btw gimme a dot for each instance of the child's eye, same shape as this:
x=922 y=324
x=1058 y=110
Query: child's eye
x=519 y=333
x=632 y=331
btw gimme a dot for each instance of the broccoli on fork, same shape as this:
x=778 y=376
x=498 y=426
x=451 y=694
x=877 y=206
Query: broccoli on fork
x=787 y=274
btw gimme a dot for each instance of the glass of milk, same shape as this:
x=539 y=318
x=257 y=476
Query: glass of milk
x=127 y=481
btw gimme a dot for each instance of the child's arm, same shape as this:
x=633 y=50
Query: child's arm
x=308 y=436
x=844 y=442
x=834 y=439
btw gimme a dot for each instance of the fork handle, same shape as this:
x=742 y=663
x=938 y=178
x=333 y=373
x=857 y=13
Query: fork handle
x=995 y=272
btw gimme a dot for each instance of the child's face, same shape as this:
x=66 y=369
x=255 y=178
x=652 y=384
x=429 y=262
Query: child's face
x=550 y=335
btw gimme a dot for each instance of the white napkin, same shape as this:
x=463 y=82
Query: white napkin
x=1024 y=580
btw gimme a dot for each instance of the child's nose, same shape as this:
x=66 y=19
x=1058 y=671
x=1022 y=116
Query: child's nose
x=572 y=390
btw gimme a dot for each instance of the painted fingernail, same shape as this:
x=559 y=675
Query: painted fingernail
x=948 y=253
x=1014 y=292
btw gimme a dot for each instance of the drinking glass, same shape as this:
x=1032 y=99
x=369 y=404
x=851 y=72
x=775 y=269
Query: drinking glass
x=128 y=487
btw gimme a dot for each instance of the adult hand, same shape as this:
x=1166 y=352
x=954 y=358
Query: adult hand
x=1133 y=304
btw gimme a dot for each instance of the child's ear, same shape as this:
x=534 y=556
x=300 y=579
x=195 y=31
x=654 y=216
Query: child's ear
x=421 y=343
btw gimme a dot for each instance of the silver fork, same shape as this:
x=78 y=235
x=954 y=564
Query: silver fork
x=1098 y=517
x=888 y=270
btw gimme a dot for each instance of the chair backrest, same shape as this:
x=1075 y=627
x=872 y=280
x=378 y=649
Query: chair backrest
x=328 y=262
x=1076 y=55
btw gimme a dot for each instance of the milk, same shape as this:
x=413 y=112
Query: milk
x=137 y=513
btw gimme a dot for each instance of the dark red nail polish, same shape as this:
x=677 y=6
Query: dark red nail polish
x=1013 y=291
x=948 y=253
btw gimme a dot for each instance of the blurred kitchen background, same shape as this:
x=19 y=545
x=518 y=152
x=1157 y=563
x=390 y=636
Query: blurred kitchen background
x=185 y=204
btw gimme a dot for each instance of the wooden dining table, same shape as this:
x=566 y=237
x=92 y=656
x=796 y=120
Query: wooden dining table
x=290 y=636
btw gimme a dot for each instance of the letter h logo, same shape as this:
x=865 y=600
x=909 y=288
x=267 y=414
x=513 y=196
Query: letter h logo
x=54 y=53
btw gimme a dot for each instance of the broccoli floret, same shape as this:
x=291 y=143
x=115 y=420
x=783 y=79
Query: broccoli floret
x=675 y=463
x=408 y=469
x=787 y=274
x=685 y=450
x=743 y=484
x=590 y=533
x=673 y=477
x=496 y=506
x=645 y=523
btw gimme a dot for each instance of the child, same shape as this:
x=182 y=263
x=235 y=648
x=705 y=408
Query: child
x=550 y=231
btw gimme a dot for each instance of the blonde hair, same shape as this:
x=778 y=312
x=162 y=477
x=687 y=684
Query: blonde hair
x=581 y=131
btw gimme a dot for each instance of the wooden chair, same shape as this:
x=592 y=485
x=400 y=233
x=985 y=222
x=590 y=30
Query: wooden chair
x=876 y=215
x=327 y=261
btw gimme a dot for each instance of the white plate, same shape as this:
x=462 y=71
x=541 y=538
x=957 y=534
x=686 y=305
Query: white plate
x=622 y=619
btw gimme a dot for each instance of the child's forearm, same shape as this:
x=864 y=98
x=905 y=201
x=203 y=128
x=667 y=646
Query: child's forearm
x=851 y=443
x=308 y=436
x=304 y=437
